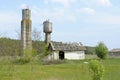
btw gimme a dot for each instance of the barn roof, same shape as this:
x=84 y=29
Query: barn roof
x=115 y=50
x=67 y=46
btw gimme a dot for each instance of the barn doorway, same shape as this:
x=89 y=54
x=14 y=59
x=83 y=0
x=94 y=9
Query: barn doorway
x=61 y=55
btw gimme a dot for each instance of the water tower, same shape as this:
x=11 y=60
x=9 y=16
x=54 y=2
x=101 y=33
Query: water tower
x=47 y=29
x=26 y=26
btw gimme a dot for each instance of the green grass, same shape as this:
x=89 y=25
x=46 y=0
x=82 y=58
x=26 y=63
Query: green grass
x=71 y=70
x=112 y=69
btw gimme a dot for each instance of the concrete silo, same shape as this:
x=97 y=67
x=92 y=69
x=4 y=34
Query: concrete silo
x=26 y=30
x=47 y=29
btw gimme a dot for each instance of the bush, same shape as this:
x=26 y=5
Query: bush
x=96 y=69
x=27 y=57
x=23 y=60
x=43 y=55
x=53 y=62
x=101 y=50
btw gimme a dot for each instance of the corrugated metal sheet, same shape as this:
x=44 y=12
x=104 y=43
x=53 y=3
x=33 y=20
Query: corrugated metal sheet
x=115 y=50
x=67 y=46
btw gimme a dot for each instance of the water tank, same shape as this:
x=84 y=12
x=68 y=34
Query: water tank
x=47 y=26
x=25 y=14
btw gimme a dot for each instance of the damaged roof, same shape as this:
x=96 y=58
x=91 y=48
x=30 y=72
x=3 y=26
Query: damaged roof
x=115 y=50
x=67 y=46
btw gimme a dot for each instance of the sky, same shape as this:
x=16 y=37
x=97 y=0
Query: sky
x=86 y=21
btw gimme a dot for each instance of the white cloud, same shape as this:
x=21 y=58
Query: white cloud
x=46 y=1
x=65 y=3
x=103 y=2
x=9 y=21
x=104 y=19
x=8 y=17
x=88 y=11
x=57 y=14
x=24 y=6
x=98 y=2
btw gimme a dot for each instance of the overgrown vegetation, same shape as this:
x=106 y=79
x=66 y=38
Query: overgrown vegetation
x=71 y=70
x=101 y=50
x=42 y=58
x=10 y=60
x=96 y=69
x=11 y=47
x=90 y=50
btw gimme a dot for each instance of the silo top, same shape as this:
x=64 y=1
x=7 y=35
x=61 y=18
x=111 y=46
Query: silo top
x=47 y=26
x=25 y=14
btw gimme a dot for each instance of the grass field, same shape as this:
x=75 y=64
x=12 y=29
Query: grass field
x=71 y=70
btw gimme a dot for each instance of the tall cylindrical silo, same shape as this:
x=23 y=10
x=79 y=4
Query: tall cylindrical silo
x=26 y=26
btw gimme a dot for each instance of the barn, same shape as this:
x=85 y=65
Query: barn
x=114 y=53
x=69 y=51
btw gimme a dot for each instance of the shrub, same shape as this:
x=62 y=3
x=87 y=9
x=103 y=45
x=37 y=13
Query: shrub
x=22 y=60
x=43 y=55
x=53 y=62
x=28 y=56
x=101 y=50
x=97 y=70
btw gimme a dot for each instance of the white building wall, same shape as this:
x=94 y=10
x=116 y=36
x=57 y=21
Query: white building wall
x=53 y=56
x=49 y=57
x=56 y=55
x=75 y=55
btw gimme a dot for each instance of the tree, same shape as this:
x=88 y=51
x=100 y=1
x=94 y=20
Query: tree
x=90 y=50
x=36 y=40
x=97 y=70
x=9 y=47
x=101 y=50
x=18 y=34
x=3 y=35
x=36 y=34
x=45 y=52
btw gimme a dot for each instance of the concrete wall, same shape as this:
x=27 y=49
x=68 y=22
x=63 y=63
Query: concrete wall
x=26 y=31
x=75 y=55
x=53 y=56
x=114 y=54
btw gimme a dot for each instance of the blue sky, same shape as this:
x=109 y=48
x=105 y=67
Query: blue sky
x=86 y=21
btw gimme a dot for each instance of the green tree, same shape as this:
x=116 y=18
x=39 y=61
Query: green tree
x=101 y=50
x=97 y=70
x=9 y=47
x=90 y=50
x=46 y=52
x=43 y=56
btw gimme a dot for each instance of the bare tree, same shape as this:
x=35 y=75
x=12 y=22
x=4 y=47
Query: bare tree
x=18 y=34
x=36 y=34
x=0 y=34
x=3 y=35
